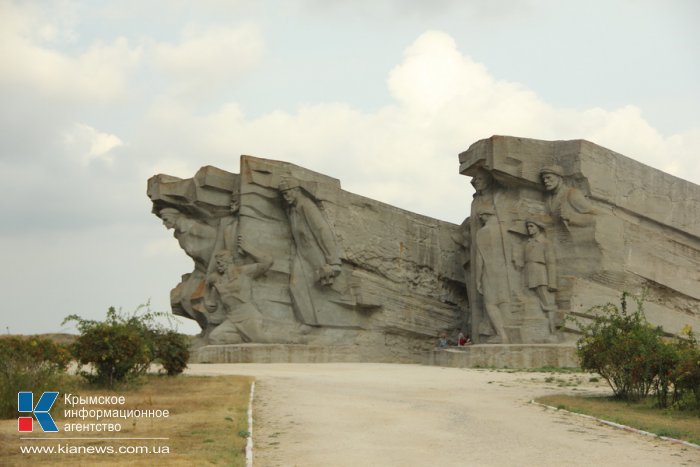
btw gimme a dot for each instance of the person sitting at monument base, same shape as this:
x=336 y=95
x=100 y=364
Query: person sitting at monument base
x=461 y=340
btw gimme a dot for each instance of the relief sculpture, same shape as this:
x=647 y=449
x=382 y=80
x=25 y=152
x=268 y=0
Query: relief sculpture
x=271 y=263
x=564 y=203
x=198 y=240
x=230 y=299
x=283 y=255
x=541 y=270
x=316 y=248
x=579 y=224
x=491 y=273
x=513 y=271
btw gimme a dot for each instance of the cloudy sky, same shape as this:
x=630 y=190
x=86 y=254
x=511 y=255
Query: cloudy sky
x=98 y=96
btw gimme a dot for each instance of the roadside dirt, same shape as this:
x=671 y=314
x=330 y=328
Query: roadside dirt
x=347 y=414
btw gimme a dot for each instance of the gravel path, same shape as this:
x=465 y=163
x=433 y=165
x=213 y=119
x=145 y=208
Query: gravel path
x=360 y=414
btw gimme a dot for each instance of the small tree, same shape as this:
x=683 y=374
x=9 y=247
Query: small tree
x=685 y=375
x=620 y=346
x=172 y=350
x=122 y=347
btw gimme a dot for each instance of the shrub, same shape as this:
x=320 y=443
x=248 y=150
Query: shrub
x=685 y=375
x=623 y=348
x=29 y=364
x=665 y=362
x=122 y=347
x=172 y=351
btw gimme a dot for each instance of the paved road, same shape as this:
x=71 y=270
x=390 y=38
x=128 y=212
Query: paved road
x=410 y=415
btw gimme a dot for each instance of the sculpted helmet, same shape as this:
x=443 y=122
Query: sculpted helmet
x=169 y=211
x=287 y=184
x=552 y=169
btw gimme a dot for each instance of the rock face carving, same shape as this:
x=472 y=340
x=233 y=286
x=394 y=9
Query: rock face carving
x=541 y=270
x=565 y=204
x=234 y=316
x=315 y=257
x=283 y=255
x=198 y=240
x=292 y=258
x=491 y=273
x=579 y=224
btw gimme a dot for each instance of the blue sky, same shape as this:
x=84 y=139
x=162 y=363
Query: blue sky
x=99 y=96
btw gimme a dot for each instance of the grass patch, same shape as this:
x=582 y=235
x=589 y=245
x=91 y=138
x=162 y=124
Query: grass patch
x=554 y=369
x=207 y=415
x=642 y=415
x=543 y=369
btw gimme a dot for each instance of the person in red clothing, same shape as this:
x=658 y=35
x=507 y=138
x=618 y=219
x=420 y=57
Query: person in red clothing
x=463 y=340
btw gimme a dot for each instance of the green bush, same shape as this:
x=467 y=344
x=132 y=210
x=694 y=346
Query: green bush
x=172 y=350
x=685 y=375
x=635 y=359
x=29 y=364
x=122 y=347
x=665 y=362
x=621 y=347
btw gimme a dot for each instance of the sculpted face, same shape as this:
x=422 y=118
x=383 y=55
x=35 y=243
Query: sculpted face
x=484 y=217
x=169 y=220
x=532 y=228
x=551 y=181
x=481 y=181
x=290 y=196
x=235 y=205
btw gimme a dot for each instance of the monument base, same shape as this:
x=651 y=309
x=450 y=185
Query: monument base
x=505 y=356
x=473 y=356
x=299 y=353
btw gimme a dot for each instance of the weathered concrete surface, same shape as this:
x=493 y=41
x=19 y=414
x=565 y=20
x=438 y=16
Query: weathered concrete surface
x=299 y=353
x=505 y=356
x=283 y=255
x=616 y=225
x=411 y=415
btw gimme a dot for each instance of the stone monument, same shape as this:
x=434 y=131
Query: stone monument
x=283 y=255
x=286 y=261
x=571 y=225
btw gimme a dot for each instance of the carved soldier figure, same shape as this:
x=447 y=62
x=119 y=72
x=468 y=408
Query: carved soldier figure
x=565 y=202
x=238 y=319
x=540 y=269
x=490 y=272
x=198 y=240
x=312 y=234
x=230 y=226
x=484 y=191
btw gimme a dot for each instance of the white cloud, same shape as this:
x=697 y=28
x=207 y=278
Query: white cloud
x=208 y=58
x=87 y=144
x=444 y=102
x=29 y=57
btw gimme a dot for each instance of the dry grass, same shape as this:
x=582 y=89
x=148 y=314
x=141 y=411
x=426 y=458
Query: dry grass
x=642 y=415
x=206 y=416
